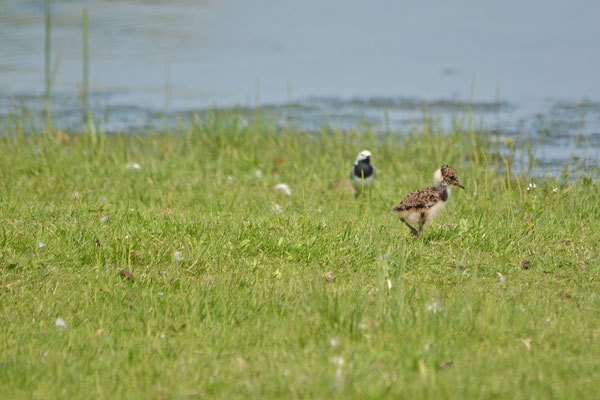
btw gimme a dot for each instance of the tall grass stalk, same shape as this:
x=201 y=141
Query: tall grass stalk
x=86 y=60
x=47 y=52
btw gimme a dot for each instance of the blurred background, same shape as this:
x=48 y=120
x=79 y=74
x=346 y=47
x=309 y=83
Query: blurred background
x=526 y=68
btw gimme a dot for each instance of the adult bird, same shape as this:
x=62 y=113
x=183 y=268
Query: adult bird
x=362 y=174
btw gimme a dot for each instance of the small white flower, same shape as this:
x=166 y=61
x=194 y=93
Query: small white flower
x=132 y=210
x=230 y=178
x=178 y=256
x=521 y=308
x=60 y=323
x=133 y=166
x=434 y=306
x=474 y=193
x=501 y=277
x=338 y=360
x=160 y=293
x=339 y=374
x=258 y=174
x=334 y=341
x=104 y=219
x=162 y=336
x=285 y=372
x=362 y=326
x=389 y=283
x=427 y=346
x=276 y=208
x=127 y=237
x=554 y=190
x=284 y=188
x=41 y=245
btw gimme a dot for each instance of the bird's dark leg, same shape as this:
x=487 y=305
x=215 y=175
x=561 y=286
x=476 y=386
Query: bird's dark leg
x=412 y=230
x=422 y=220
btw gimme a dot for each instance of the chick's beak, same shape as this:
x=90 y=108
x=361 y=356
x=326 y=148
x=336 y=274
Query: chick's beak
x=459 y=185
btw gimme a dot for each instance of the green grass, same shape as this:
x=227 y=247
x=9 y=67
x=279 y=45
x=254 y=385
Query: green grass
x=247 y=313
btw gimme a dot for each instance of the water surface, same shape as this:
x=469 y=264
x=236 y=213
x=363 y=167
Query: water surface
x=531 y=66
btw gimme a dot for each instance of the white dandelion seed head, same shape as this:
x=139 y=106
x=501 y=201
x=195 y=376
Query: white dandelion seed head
x=277 y=208
x=177 y=256
x=434 y=306
x=338 y=360
x=284 y=188
x=132 y=166
x=500 y=277
x=60 y=323
x=41 y=245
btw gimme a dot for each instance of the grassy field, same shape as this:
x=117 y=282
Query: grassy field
x=165 y=265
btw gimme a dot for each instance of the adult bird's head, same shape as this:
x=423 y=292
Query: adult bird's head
x=364 y=155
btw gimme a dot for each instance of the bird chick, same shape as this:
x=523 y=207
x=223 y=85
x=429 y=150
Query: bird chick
x=362 y=174
x=422 y=205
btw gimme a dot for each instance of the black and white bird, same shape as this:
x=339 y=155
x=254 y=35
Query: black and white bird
x=362 y=174
x=422 y=205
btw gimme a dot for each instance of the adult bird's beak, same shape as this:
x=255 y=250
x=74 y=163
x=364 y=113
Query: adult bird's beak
x=459 y=185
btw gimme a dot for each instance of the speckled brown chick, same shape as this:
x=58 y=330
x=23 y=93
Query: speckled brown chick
x=422 y=205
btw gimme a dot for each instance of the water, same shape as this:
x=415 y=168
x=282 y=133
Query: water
x=528 y=67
